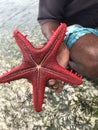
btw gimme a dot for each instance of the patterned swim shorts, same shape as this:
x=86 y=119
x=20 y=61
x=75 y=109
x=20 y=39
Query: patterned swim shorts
x=74 y=32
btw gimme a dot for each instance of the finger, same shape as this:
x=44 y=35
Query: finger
x=51 y=82
x=58 y=86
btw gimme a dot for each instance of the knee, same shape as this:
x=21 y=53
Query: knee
x=91 y=64
x=91 y=71
x=84 y=55
x=86 y=63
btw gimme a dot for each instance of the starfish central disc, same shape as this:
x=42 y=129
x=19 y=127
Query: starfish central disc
x=38 y=67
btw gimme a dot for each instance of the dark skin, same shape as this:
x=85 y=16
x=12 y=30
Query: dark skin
x=83 y=55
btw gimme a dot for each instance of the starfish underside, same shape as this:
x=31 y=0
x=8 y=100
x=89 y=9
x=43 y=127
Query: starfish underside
x=40 y=64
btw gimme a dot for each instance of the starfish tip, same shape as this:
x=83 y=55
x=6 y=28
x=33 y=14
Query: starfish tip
x=15 y=32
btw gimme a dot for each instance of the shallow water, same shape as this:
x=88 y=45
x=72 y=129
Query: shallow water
x=16 y=111
x=14 y=14
x=20 y=15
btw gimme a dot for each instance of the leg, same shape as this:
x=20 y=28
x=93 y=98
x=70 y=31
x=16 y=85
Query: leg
x=84 y=56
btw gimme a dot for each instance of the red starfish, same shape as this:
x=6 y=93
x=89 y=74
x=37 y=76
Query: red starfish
x=39 y=65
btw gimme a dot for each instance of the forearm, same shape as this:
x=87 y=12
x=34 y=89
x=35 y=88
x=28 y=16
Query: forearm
x=48 y=27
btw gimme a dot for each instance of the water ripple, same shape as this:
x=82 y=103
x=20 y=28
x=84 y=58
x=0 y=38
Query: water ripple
x=17 y=13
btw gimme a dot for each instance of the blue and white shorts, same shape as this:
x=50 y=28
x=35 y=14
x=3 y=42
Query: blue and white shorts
x=74 y=32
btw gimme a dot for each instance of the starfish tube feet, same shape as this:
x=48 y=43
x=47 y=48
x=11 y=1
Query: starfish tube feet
x=40 y=64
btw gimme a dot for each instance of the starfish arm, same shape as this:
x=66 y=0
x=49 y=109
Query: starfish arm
x=51 y=48
x=38 y=81
x=57 y=38
x=25 y=46
x=58 y=72
x=15 y=74
x=23 y=42
x=30 y=53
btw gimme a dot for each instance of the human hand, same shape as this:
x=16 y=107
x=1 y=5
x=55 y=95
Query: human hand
x=62 y=59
